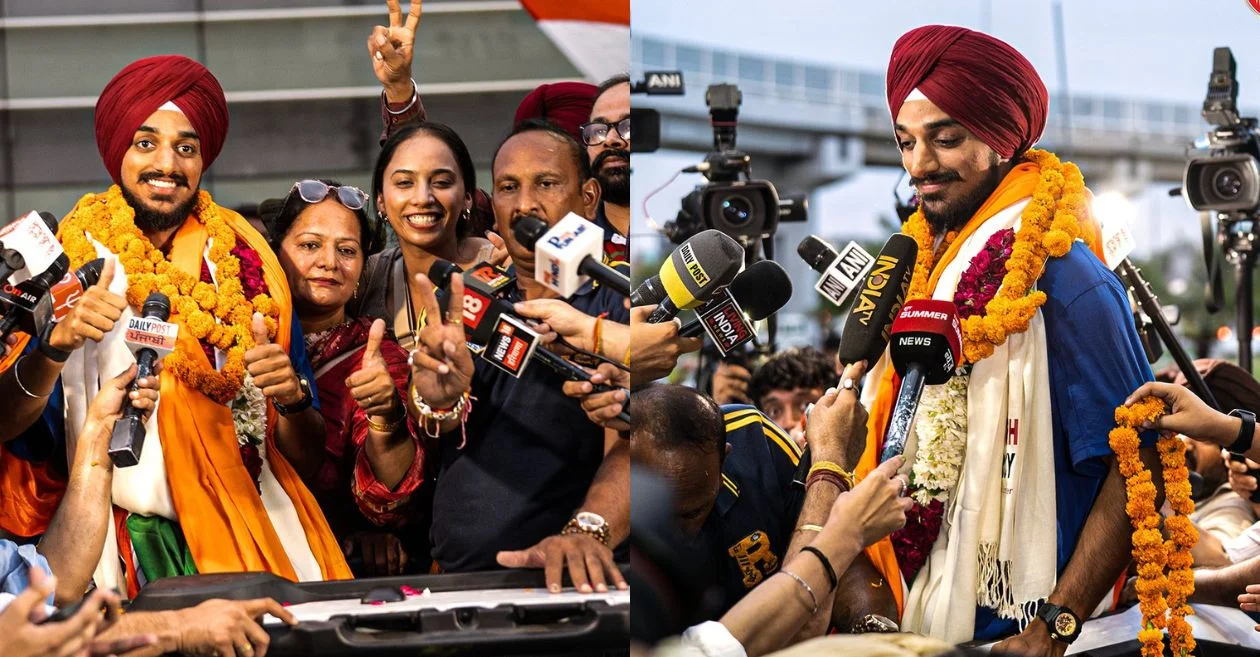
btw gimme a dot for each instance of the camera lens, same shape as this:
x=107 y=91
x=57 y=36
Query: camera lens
x=736 y=210
x=1227 y=182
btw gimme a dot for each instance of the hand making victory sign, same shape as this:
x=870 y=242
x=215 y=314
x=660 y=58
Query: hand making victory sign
x=441 y=366
x=392 y=48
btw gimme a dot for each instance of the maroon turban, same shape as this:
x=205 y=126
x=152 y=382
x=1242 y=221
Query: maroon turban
x=980 y=81
x=566 y=104
x=144 y=86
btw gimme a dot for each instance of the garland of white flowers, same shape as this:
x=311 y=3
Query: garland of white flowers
x=941 y=425
x=249 y=414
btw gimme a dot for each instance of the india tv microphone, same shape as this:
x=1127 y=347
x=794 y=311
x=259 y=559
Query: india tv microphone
x=842 y=272
x=925 y=347
x=150 y=337
x=568 y=254
x=755 y=294
x=884 y=289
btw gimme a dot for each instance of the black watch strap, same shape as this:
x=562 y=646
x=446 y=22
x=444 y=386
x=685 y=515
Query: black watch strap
x=1064 y=625
x=50 y=352
x=299 y=406
x=1246 y=434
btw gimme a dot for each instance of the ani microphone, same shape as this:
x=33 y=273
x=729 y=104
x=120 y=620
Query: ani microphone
x=568 y=254
x=879 y=300
x=150 y=337
x=926 y=343
x=842 y=272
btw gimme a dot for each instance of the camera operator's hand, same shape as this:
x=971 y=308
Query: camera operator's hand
x=1189 y=415
x=836 y=428
x=730 y=384
x=655 y=348
x=602 y=408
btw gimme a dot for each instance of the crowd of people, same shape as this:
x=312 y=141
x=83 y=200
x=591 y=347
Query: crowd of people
x=322 y=414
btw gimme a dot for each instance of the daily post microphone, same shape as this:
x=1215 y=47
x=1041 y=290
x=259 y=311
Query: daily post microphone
x=926 y=343
x=150 y=337
x=567 y=254
x=842 y=272
x=755 y=294
x=879 y=300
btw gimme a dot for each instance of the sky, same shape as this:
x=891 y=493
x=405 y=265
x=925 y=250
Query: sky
x=1148 y=50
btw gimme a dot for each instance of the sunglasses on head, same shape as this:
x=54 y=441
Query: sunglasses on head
x=595 y=132
x=314 y=191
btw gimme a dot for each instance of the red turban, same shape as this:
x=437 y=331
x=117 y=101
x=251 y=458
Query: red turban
x=980 y=81
x=144 y=86
x=566 y=104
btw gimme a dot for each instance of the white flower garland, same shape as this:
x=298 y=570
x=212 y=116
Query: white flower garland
x=249 y=414
x=941 y=425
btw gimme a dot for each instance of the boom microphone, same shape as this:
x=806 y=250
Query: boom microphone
x=926 y=343
x=879 y=300
x=150 y=338
x=755 y=294
x=842 y=272
x=568 y=254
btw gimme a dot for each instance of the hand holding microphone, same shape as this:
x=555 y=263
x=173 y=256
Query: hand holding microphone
x=92 y=316
x=693 y=273
x=925 y=349
x=603 y=408
x=568 y=254
x=836 y=428
x=656 y=347
x=150 y=337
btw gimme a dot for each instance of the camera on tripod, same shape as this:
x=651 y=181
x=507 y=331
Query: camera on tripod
x=1227 y=180
x=732 y=201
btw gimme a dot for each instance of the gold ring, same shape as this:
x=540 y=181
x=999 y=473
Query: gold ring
x=453 y=318
x=247 y=649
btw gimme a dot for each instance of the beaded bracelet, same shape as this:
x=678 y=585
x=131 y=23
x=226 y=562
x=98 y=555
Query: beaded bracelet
x=431 y=419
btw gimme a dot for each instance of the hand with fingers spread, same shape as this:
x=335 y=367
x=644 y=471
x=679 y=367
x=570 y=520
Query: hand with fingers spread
x=92 y=316
x=227 y=627
x=269 y=365
x=499 y=257
x=371 y=385
x=836 y=427
x=1189 y=415
x=25 y=636
x=602 y=408
x=589 y=562
x=381 y=552
x=875 y=507
x=392 y=49
x=441 y=366
x=730 y=384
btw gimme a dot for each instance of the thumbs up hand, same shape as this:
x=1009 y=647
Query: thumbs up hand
x=371 y=385
x=271 y=368
x=93 y=316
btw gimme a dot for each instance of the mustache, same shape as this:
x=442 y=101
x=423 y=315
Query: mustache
x=605 y=155
x=943 y=177
x=178 y=178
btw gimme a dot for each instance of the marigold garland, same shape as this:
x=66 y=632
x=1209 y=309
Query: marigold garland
x=221 y=317
x=1049 y=224
x=1158 y=593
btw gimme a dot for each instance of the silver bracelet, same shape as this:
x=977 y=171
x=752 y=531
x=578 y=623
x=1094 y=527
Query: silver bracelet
x=415 y=94
x=26 y=392
x=805 y=584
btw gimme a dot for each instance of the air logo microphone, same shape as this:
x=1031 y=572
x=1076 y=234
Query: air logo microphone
x=842 y=272
x=150 y=337
x=866 y=330
x=925 y=348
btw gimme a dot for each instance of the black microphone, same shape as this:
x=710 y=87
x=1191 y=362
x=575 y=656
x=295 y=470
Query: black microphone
x=692 y=273
x=150 y=337
x=926 y=344
x=879 y=300
x=759 y=291
x=10 y=261
x=21 y=300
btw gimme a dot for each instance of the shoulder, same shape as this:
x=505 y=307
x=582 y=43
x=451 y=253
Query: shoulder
x=748 y=427
x=1079 y=277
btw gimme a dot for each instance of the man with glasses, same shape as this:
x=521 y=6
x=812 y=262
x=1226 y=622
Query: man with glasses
x=218 y=486
x=607 y=139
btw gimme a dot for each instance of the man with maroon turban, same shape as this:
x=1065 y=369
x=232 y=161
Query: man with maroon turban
x=1018 y=437
x=218 y=483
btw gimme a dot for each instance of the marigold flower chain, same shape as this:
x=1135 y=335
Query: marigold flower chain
x=1161 y=597
x=221 y=317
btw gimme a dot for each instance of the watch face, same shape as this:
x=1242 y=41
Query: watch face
x=1065 y=624
x=588 y=520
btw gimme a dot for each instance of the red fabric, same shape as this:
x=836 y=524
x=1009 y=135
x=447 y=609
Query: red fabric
x=125 y=551
x=145 y=85
x=566 y=104
x=345 y=481
x=981 y=81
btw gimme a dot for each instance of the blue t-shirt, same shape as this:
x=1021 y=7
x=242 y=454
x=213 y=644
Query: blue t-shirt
x=1096 y=361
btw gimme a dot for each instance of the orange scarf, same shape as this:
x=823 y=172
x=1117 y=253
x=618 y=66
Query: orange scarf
x=1015 y=187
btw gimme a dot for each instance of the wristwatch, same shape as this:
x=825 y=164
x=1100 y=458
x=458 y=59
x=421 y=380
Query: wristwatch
x=298 y=406
x=1246 y=433
x=586 y=522
x=1064 y=625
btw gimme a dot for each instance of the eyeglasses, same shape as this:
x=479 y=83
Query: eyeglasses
x=595 y=132
x=314 y=191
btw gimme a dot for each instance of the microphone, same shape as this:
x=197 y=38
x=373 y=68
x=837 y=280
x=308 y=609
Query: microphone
x=33 y=238
x=150 y=337
x=841 y=272
x=755 y=294
x=879 y=300
x=696 y=270
x=568 y=254
x=62 y=297
x=926 y=343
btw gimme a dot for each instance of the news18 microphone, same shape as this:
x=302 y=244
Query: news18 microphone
x=150 y=337
x=756 y=293
x=926 y=343
x=878 y=301
x=568 y=254
x=842 y=272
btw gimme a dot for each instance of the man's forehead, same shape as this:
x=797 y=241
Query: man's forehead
x=529 y=152
x=614 y=103
x=165 y=120
x=919 y=113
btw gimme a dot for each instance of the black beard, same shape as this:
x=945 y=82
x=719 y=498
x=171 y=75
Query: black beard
x=149 y=220
x=615 y=183
x=956 y=214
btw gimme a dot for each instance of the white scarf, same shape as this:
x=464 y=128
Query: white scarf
x=998 y=542
x=143 y=488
